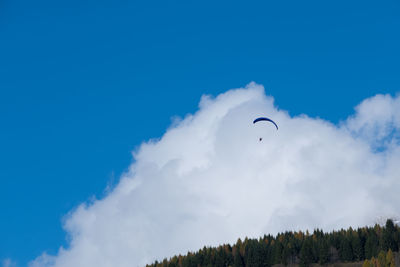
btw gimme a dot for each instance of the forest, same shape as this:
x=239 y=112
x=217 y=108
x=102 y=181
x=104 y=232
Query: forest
x=372 y=246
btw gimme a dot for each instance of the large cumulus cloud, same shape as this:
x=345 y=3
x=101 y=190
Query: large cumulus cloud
x=209 y=180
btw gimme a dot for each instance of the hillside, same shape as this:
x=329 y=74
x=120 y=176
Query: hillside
x=366 y=246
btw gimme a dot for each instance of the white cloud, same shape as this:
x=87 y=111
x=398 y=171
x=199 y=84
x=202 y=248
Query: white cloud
x=376 y=120
x=209 y=180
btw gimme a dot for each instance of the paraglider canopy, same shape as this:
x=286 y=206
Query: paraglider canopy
x=265 y=119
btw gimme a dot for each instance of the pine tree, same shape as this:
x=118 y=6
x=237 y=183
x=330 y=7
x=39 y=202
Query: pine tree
x=285 y=255
x=345 y=252
x=266 y=257
x=323 y=252
x=358 y=253
x=306 y=255
x=237 y=258
x=278 y=248
x=388 y=236
x=371 y=245
x=220 y=257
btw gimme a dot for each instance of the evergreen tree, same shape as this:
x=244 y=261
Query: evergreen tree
x=220 y=257
x=345 y=251
x=323 y=252
x=285 y=255
x=253 y=254
x=229 y=256
x=237 y=258
x=371 y=245
x=315 y=248
x=278 y=248
x=292 y=250
x=306 y=254
x=173 y=262
x=389 y=237
x=358 y=252
x=397 y=238
x=266 y=257
x=190 y=261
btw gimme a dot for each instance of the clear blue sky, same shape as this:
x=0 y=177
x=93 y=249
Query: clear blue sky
x=82 y=83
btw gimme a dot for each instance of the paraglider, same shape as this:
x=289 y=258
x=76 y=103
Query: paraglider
x=265 y=119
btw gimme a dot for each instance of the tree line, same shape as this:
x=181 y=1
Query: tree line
x=303 y=248
x=384 y=259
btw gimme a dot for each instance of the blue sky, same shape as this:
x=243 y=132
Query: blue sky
x=83 y=83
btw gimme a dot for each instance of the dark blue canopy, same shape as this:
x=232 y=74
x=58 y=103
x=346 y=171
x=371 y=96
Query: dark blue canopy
x=265 y=119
